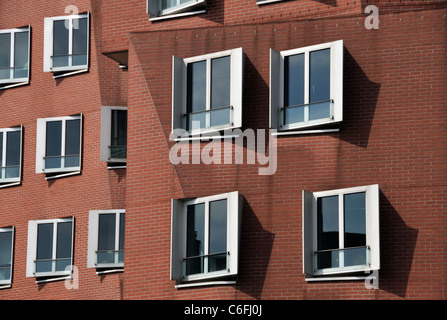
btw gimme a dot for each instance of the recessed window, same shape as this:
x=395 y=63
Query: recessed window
x=114 y=134
x=306 y=86
x=205 y=237
x=14 y=57
x=207 y=92
x=6 y=253
x=50 y=248
x=106 y=239
x=341 y=231
x=174 y=8
x=59 y=144
x=10 y=155
x=66 y=47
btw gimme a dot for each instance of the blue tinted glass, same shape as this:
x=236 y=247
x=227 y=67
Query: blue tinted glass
x=5 y=55
x=319 y=82
x=196 y=88
x=220 y=82
x=106 y=233
x=44 y=241
x=80 y=45
x=13 y=154
x=21 y=55
x=64 y=238
x=294 y=80
x=60 y=43
x=195 y=238
x=53 y=138
x=72 y=137
x=355 y=220
x=5 y=249
x=327 y=219
x=121 y=232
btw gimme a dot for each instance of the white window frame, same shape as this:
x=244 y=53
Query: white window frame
x=179 y=232
x=259 y=2
x=179 y=89
x=277 y=85
x=41 y=145
x=154 y=9
x=93 y=230
x=14 y=82
x=7 y=283
x=106 y=134
x=310 y=229
x=32 y=249
x=48 y=45
x=4 y=182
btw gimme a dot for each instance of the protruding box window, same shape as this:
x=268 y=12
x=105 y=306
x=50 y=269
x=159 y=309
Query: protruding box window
x=14 y=57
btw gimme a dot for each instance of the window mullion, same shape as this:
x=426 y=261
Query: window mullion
x=117 y=236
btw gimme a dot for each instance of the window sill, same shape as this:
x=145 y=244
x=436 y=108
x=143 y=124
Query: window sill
x=62 y=175
x=207 y=283
x=261 y=2
x=5 y=286
x=294 y=132
x=177 y=15
x=9 y=85
x=9 y=184
x=107 y=271
x=67 y=72
x=53 y=278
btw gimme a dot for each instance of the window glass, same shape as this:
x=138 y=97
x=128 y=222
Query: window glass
x=167 y=4
x=21 y=55
x=60 y=43
x=195 y=238
x=328 y=231
x=80 y=29
x=5 y=55
x=319 y=83
x=218 y=235
x=63 y=245
x=72 y=143
x=220 y=82
x=196 y=93
x=53 y=144
x=119 y=134
x=5 y=255
x=121 y=232
x=294 y=88
x=106 y=234
x=13 y=154
x=44 y=247
x=355 y=220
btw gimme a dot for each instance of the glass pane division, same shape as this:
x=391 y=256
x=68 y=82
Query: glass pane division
x=342 y=258
x=5 y=56
x=5 y=255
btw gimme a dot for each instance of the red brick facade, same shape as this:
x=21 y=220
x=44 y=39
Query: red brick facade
x=392 y=134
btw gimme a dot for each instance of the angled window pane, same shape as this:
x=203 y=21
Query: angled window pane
x=195 y=238
x=53 y=144
x=196 y=88
x=319 y=83
x=80 y=45
x=327 y=231
x=218 y=235
x=5 y=255
x=106 y=238
x=13 y=154
x=60 y=43
x=44 y=241
x=21 y=55
x=121 y=231
x=294 y=88
x=220 y=82
x=63 y=245
x=119 y=134
x=5 y=56
x=355 y=220
x=72 y=143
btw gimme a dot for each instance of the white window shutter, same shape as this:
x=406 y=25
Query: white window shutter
x=31 y=248
x=372 y=225
x=235 y=202
x=275 y=88
x=337 y=79
x=48 y=44
x=106 y=121
x=178 y=92
x=237 y=76
x=40 y=144
x=93 y=227
x=178 y=236
x=308 y=232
